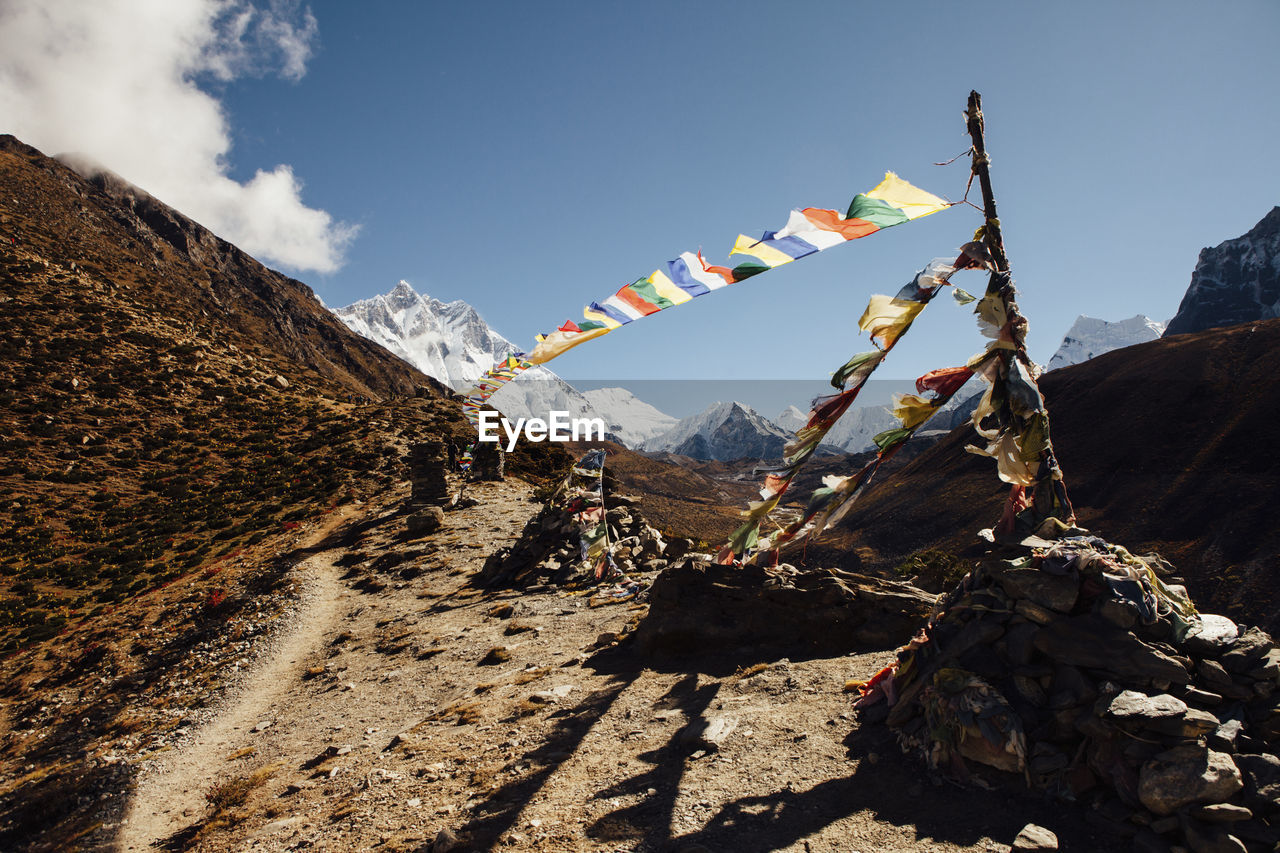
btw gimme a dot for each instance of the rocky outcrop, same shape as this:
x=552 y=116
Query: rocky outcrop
x=1087 y=672
x=548 y=548
x=706 y=607
x=1236 y=282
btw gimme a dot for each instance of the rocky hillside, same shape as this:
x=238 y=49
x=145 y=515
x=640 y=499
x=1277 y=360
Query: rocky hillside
x=1164 y=446
x=1235 y=282
x=175 y=267
x=175 y=419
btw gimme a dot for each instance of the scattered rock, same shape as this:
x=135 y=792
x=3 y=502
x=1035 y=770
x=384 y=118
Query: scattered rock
x=1212 y=635
x=1035 y=838
x=445 y=842
x=1186 y=775
x=1222 y=813
x=425 y=521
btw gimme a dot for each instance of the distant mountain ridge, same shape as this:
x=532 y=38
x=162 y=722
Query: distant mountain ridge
x=1089 y=337
x=724 y=431
x=1235 y=282
x=452 y=343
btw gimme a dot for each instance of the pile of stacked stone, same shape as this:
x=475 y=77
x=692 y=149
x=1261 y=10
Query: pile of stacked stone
x=1075 y=665
x=487 y=461
x=549 y=551
x=428 y=461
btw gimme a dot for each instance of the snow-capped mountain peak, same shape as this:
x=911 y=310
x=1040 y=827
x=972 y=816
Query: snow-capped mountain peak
x=628 y=417
x=791 y=419
x=724 y=431
x=451 y=342
x=1090 y=337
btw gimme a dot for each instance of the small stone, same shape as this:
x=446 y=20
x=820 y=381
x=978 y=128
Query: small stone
x=1185 y=775
x=1268 y=669
x=677 y=548
x=1211 y=635
x=1118 y=612
x=1197 y=696
x=1090 y=642
x=1224 y=737
x=1056 y=592
x=1263 y=775
x=1034 y=837
x=1196 y=722
x=1222 y=813
x=1213 y=673
x=1245 y=652
x=279 y=381
x=424 y=521
x=1207 y=839
x=445 y=841
x=1131 y=706
x=708 y=732
x=1147 y=841
x=1034 y=612
x=413 y=803
x=263 y=725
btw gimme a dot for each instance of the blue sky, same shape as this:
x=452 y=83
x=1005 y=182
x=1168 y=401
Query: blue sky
x=531 y=157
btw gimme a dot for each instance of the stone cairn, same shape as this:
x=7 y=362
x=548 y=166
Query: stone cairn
x=1073 y=664
x=487 y=461
x=428 y=461
x=548 y=550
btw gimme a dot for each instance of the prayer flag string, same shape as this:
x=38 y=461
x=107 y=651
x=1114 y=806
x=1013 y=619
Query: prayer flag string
x=808 y=231
x=886 y=319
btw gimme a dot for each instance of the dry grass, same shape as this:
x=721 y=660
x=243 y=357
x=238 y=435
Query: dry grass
x=466 y=712
x=242 y=753
x=747 y=672
x=129 y=723
x=531 y=675
x=501 y=611
x=232 y=793
x=496 y=655
x=518 y=628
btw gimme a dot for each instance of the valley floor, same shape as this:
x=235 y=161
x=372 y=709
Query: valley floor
x=400 y=707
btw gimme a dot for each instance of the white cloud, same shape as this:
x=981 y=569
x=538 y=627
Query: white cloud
x=117 y=80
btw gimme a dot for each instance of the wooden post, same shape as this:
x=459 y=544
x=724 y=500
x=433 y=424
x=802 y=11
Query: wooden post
x=1048 y=495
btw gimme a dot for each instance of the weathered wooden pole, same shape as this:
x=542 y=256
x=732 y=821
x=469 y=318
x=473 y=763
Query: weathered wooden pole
x=1046 y=496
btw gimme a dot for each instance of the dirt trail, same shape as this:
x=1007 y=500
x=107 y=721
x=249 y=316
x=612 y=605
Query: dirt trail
x=407 y=707
x=167 y=797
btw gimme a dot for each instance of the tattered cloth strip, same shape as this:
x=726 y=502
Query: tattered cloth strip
x=892 y=202
x=464 y=461
x=584 y=499
x=1012 y=418
x=886 y=319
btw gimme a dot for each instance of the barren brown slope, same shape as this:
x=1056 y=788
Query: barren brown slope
x=1167 y=446
x=163 y=444
x=177 y=267
x=680 y=500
